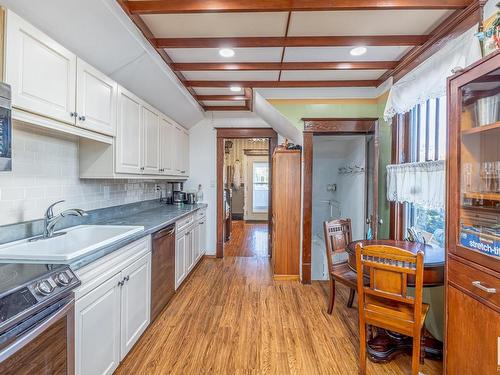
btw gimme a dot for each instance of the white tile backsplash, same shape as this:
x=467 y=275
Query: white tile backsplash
x=45 y=169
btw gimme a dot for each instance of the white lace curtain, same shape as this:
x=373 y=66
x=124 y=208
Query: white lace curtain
x=428 y=80
x=419 y=183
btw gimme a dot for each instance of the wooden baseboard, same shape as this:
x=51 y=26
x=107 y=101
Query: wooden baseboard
x=208 y=256
x=286 y=277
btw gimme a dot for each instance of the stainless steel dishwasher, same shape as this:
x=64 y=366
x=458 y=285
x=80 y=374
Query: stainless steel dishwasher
x=162 y=269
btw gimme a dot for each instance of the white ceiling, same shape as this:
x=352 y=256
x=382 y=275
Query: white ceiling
x=366 y=22
x=313 y=54
x=330 y=75
x=216 y=91
x=251 y=75
x=270 y=54
x=99 y=32
x=231 y=103
x=217 y=24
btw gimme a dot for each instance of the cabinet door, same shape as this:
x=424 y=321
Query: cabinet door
x=151 y=136
x=473 y=330
x=178 y=149
x=180 y=259
x=41 y=72
x=203 y=237
x=167 y=132
x=95 y=99
x=129 y=133
x=136 y=302
x=97 y=331
x=190 y=251
x=196 y=242
x=185 y=153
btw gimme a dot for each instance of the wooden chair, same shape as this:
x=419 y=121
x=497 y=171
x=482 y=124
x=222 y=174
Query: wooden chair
x=384 y=302
x=338 y=235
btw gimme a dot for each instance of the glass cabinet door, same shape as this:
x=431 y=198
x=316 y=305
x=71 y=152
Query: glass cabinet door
x=480 y=165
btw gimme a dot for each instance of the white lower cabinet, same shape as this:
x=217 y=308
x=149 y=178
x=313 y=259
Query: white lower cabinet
x=189 y=245
x=97 y=333
x=112 y=308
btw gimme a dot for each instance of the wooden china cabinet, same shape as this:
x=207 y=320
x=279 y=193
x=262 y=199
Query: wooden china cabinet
x=473 y=220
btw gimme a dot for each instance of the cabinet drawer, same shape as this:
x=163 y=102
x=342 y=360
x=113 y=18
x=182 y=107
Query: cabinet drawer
x=475 y=281
x=201 y=214
x=183 y=223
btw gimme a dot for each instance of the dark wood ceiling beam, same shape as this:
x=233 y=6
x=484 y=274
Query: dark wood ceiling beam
x=340 y=65
x=292 y=41
x=218 y=6
x=224 y=98
x=459 y=22
x=284 y=84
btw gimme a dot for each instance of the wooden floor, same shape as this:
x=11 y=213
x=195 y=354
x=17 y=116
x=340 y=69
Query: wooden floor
x=230 y=317
x=247 y=240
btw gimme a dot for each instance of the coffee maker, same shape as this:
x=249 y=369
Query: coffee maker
x=175 y=195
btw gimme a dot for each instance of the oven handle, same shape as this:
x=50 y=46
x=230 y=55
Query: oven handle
x=36 y=331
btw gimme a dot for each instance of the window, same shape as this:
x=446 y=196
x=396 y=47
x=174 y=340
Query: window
x=260 y=186
x=426 y=142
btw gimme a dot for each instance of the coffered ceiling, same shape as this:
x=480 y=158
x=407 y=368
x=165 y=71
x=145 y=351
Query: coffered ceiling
x=284 y=43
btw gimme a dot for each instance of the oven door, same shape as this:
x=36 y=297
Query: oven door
x=47 y=347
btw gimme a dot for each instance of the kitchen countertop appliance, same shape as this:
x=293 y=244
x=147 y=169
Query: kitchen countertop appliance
x=36 y=318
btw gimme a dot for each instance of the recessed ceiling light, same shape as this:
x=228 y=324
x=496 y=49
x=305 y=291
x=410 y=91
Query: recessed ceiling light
x=358 y=51
x=235 y=89
x=226 y=52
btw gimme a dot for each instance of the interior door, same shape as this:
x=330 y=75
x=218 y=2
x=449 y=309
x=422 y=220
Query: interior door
x=372 y=167
x=256 y=188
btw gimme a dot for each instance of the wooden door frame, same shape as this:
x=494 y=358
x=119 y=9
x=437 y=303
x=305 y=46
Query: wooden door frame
x=326 y=126
x=228 y=133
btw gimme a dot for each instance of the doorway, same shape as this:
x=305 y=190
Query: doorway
x=360 y=200
x=244 y=183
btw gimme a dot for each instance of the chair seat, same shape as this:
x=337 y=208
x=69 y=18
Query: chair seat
x=344 y=274
x=392 y=315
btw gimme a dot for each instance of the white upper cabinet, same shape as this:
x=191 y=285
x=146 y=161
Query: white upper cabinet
x=151 y=136
x=129 y=134
x=96 y=99
x=41 y=72
x=167 y=150
x=184 y=153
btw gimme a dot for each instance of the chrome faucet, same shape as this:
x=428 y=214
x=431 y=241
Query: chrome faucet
x=50 y=220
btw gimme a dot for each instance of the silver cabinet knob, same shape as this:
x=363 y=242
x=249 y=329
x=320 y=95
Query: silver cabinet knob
x=81 y=118
x=142 y=168
x=73 y=114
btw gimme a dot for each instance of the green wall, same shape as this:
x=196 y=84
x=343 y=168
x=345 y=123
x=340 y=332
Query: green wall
x=295 y=110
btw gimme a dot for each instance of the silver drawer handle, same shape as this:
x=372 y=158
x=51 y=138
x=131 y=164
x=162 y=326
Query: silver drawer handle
x=477 y=284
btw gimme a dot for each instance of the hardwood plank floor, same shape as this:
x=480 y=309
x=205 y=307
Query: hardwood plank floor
x=248 y=239
x=230 y=317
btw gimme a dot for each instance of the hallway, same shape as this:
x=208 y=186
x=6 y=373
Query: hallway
x=230 y=317
x=248 y=239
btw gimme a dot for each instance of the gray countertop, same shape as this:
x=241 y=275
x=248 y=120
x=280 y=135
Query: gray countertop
x=152 y=219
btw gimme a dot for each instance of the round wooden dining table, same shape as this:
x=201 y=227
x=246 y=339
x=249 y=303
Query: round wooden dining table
x=386 y=344
x=433 y=258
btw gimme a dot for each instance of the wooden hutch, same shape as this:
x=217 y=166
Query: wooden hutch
x=473 y=220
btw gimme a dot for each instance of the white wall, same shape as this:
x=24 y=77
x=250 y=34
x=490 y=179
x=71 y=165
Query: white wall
x=330 y=154
x=203 y=160
x=45 y=170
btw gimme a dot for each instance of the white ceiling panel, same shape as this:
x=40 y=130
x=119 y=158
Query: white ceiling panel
x=367 y=22
x=212 y=55
x=312 y=54
x=216 y=91
x=217 y=24
x=224 y=103
x=253 y=75
x=329 y=75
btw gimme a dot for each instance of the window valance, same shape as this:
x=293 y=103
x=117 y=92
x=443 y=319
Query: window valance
x=419 y=183
x=428 y=80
